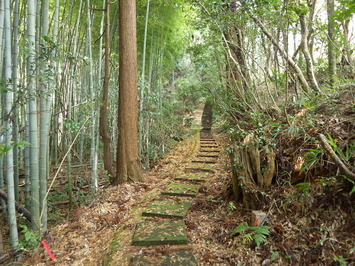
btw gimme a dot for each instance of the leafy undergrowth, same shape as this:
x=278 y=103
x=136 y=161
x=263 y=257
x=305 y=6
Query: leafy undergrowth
x=310 y=205
x=310 y=218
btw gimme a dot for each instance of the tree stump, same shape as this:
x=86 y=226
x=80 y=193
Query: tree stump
x=252 y=171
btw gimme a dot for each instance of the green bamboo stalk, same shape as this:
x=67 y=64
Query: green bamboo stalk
x=8 y=124
x=15 y=89
x=32 y=116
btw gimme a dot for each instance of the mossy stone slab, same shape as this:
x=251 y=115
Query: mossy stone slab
x=208 y=146
x=193 y=177
x=185 y=190
x=209 y=150
x=149 y=233
x=204 y=161
x=197 y=167
x=207 y=155
x=177 y=258
x=167 y=208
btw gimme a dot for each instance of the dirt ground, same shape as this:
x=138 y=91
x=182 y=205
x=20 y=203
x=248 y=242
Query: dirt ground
x=311 y=217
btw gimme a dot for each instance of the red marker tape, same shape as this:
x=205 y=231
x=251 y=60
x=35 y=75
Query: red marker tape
x=48 y=250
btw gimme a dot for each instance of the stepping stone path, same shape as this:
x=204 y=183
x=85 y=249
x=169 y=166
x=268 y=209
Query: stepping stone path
x=160 y=233
x=183 y=190
x=167 y=208
x=173 y=232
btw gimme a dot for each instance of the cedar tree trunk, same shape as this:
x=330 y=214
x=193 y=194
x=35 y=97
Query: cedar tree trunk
x=128 y=162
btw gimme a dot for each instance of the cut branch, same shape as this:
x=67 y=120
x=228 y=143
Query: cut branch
x=18 y=207
x=345 y=170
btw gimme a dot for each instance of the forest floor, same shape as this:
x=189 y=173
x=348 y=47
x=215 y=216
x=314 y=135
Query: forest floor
x=311 y=221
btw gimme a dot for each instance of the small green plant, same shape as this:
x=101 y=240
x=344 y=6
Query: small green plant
x=303 y=190
x=256 y=233
x=232 y=205
x=347 y=155
x=326 y=181
x=340 y=260
x=312 y=158
x=29 y=239
x=349 y=149
x=274 y=255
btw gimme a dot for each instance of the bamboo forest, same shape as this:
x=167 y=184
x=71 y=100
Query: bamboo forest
x=177 y=132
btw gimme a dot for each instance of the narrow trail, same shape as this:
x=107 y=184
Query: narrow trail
x=161 y=223
x=182 y=192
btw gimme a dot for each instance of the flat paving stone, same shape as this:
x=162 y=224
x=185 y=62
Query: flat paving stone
x=193 y=177
x=209 y=150
x=207 y=155
x=167 y=208
x=176 y=258
x=204 y=161
x=185 y=190
x=196 y=167
x=208 y=143
x=149 y=233
x=208 y=146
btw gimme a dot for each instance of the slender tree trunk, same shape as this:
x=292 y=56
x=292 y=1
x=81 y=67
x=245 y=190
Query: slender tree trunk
x=347 y=45
x=307 y=54
x=104 y=104
x=292 y=63
x=54 y=152
x=128 y=162
x=2 y=13
x=331 y=47
x=15 y=89
x=44 y=118
x=94 y=184
x=32 y=116
x=2 y=182
x=143 y=83
x=8 y=125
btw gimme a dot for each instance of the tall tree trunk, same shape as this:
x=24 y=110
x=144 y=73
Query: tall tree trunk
x=128 y=162
x=15 y=89
x=282 y=51
x=2 y=13
x=143 y=83
x=8 y=126
x=104 y=104
x=45 y=116
x=54 y=152
x=32 y=116
x=307 y=54
x=93 y=160
x=331 y=46
x=347 y=45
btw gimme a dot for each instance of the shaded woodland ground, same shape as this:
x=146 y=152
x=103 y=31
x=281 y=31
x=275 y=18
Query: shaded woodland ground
x=309 y=206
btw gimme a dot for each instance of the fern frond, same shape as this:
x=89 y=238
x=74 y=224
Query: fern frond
x=240 y=228
x=259 y=239
x=265 y=230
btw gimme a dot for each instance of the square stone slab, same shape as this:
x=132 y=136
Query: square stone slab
x=203 y=161
x=202 y=145
x=185 y=190
x=198 y=167
x=167 y=208
x=207 y=155
x=209 y=150
x=198 y=177
x=149 y=233
x=176 y=258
